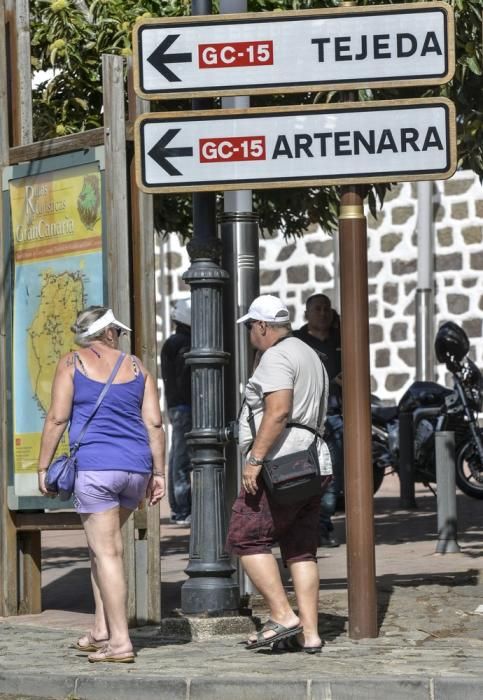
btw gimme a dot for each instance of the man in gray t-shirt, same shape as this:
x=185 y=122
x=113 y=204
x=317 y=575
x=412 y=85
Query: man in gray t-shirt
x=288 y=385
x=289 y=365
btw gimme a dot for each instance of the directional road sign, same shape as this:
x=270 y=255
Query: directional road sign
x=349 y=47
x=339 y=144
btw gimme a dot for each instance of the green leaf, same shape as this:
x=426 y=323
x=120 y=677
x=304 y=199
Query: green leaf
x=473 y=65
x=74 y=98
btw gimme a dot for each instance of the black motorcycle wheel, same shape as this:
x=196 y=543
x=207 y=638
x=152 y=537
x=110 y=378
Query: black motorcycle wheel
x=469 y=470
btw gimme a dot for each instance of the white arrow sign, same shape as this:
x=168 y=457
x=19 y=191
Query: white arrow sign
x=346 y=143
x=315 y=49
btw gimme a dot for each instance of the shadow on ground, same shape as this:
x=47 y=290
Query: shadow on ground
x=71 y=590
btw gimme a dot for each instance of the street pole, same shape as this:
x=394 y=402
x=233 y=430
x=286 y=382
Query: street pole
x=239 y=237
x=361 y=570
x=356 y=407
x=210 y=589
x=424 y=291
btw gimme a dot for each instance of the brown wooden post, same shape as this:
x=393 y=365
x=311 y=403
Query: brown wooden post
x=356 y=391
x=19 y=78
x=16 y=102
x=30 y=543
x=30 y=602
x=144 y=293
x=118 y=271
x=4 y=106
x=8 y=533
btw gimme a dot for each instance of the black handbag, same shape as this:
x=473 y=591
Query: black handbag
x=294 y=477
x=60 y=477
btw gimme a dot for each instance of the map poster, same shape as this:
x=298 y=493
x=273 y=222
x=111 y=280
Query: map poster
x=56 y=228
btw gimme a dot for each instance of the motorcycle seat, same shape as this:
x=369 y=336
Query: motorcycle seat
x=422 y=394
x=384 y=414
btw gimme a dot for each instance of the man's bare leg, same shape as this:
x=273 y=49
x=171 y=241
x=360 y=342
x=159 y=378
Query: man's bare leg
x=262 y=569
x=305 y=578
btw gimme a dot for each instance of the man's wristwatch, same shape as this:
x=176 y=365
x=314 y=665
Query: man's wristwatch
x=254 y=461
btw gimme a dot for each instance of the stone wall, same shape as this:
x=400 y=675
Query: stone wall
x=295 y=269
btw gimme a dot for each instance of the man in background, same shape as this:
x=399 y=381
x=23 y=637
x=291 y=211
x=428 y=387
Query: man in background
x=322 y=333
x=177 y=385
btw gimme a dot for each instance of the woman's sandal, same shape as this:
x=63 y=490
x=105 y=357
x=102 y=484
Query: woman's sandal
x=281 y=632
x=293 y=645
x=106 y=655
x=93 y=644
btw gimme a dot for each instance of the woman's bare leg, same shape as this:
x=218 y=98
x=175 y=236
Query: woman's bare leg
x=103 y=531
x=100 y=629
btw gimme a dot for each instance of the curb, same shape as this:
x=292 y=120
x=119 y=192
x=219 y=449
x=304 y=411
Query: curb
x=89 y=687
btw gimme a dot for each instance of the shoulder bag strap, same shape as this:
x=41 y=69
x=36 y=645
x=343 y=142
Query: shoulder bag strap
x=250 y=419
x=314 y=431
x=290 y=424
x=99 y=401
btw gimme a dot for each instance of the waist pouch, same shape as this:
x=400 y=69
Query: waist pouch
x=294 y=477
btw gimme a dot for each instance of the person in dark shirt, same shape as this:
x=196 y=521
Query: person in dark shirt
x=177 y=384
x=322 y=333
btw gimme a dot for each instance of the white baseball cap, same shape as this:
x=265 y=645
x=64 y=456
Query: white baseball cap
x=266 y=308
x=107 y=319
x=181 y=311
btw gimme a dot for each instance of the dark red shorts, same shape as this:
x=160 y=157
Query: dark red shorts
x=257 y=524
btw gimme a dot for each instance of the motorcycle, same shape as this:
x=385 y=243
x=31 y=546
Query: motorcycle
x=384 y=440
x=435 y=408
x=453 y=409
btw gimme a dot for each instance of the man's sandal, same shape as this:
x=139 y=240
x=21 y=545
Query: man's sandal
x=293 y=645
x=281 y=632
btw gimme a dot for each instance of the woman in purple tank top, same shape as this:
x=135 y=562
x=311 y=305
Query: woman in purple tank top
x=120 y=461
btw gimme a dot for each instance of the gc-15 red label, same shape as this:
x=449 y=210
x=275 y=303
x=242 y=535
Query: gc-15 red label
x=236 y=54
x=232 y=148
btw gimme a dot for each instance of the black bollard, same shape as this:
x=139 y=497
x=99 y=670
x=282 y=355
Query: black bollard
x=406 y=460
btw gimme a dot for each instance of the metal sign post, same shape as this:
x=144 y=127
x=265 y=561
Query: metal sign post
x=361 y=567
x=329 y=49
x=346 y=144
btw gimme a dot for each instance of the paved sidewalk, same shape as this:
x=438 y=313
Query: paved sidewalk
x=430 y=643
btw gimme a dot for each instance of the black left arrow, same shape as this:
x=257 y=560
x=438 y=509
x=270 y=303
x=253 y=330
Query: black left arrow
x=159 y=58
x=160 y=153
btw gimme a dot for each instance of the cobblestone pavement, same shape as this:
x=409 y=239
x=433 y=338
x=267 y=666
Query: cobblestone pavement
x=430 y=642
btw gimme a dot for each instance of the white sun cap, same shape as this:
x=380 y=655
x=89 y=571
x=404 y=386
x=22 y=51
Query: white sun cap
x=181 y=311
x=108 y=319
x=267 y=308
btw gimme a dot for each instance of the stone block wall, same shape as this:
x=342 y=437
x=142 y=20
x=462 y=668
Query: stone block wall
x=295 y=269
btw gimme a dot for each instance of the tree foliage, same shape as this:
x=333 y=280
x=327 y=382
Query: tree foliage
x=70 y=36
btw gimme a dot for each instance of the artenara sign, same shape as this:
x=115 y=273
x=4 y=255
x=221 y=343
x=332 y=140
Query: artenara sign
x=347 y=143
x=379 y=45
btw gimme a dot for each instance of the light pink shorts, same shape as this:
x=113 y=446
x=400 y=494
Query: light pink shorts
x=97 y=491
